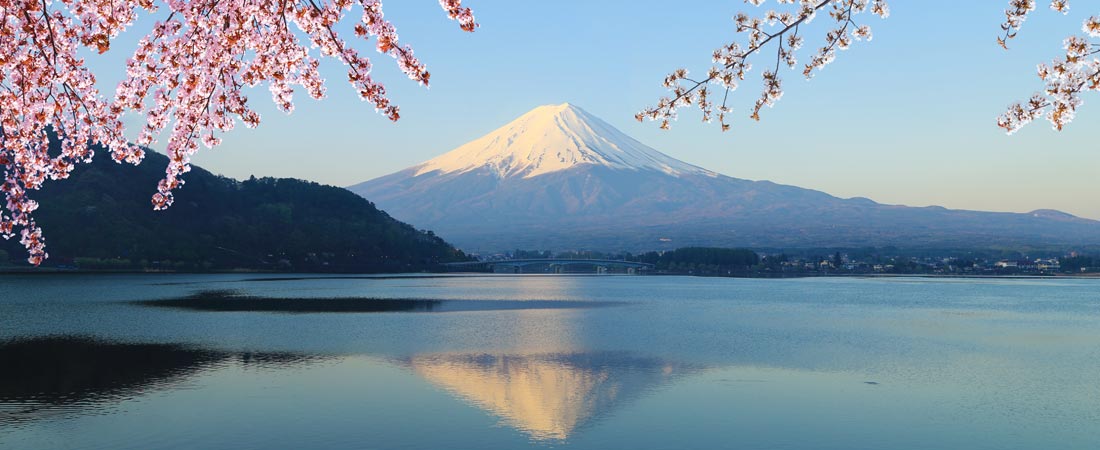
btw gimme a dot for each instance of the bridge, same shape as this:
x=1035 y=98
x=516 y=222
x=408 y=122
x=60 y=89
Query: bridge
x=555 y=265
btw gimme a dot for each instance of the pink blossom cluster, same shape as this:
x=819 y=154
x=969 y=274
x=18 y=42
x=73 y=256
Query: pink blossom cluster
x=1065 y=78
x=781 y=28
x=186 y=76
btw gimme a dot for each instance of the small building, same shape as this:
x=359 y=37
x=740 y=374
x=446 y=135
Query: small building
x=1048 y=264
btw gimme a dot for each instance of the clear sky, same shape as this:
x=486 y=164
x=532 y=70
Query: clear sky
x=908 y=118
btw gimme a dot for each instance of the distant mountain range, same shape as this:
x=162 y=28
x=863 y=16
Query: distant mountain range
x=560 y=178
x=101 y=218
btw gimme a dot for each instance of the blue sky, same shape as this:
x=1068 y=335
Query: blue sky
x=908 y=118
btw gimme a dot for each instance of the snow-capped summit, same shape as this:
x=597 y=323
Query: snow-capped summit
x=551 y=138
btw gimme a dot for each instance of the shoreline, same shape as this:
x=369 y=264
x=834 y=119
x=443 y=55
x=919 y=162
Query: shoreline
x=52 y=271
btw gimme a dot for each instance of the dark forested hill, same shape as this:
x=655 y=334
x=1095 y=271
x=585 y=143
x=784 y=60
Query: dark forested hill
x=101 y=218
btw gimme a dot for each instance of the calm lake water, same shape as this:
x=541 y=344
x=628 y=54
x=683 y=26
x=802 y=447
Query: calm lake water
x=571 y=362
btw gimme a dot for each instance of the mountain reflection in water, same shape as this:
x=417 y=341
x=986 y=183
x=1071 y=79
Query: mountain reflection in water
x=547 y=396
x=47 y=376
x=237 y=301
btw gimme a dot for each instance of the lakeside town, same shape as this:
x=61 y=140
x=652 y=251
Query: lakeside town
x=745 y=262
x=932 y=266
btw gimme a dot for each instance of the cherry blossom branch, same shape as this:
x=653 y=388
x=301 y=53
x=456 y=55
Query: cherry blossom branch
x=1065 y=78
x=733 y=63
x=186 y=75
x=1017 y=13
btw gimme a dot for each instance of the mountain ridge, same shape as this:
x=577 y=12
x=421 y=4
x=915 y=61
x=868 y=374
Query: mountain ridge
x=633 y=203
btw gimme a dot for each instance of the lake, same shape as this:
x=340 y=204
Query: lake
x=567 y=362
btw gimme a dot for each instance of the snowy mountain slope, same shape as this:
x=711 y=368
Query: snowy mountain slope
x=560 y=178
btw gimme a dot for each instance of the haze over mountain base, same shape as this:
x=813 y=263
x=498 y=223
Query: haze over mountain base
x=561 y=178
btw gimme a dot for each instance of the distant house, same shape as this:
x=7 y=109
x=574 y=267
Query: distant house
x=1005 y=264
x=1048 y=264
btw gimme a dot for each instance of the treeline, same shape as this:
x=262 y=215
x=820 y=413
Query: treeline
x=816 y=262
x=1079 y=263
x=689 y=260
x=702 y=260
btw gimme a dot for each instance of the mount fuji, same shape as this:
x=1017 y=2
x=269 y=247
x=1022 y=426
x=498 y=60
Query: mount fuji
x=560 y=178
